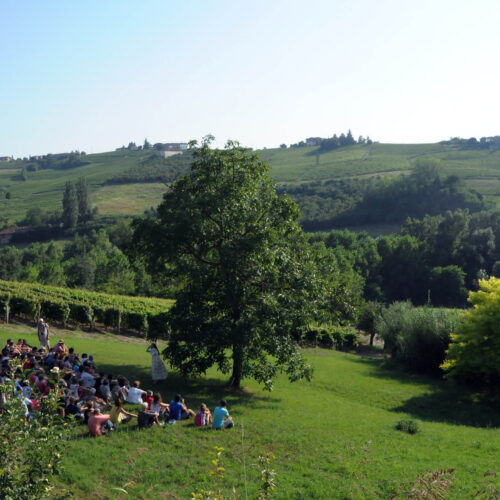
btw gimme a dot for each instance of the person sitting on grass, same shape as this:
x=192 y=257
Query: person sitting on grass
x=179 y=410
x=99 y=423
x=118 y=414
x=222 y=419
x=134 y=395
x=203 y=416
x=146 y=418
x=159 y=407
x=72 y=408
x=105 y=390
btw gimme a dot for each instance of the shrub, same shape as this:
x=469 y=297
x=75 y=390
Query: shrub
x=368 y=314
x=409 y=426
x=345 y=338
x=417 y=337
x=474 y=354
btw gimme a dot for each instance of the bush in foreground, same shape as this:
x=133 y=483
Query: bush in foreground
x=474 y=354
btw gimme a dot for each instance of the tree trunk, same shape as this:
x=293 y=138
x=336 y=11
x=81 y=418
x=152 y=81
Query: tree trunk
x=372 y=336
x=235 y=381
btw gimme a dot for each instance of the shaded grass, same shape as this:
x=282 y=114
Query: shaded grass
x=333 y=437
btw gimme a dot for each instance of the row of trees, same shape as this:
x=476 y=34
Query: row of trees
x=93 y=262
x=434 y=259
x=330 y=143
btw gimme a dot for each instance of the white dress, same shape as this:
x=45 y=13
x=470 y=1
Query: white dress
x=158 y=369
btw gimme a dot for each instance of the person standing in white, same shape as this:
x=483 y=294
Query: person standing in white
x=43 y=334
x=158 y=369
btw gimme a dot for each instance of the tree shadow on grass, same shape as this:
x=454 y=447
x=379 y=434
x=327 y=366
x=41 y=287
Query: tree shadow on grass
x=204 y=389
x=444 y=401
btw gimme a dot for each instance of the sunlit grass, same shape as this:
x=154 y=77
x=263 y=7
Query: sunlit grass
x=332 y=438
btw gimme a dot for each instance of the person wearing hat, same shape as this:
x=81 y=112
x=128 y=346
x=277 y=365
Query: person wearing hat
x=43 y=334
x=61 y=347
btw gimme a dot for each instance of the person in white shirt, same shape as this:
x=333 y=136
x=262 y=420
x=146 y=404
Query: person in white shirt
x=87 y=378
x=135 y=394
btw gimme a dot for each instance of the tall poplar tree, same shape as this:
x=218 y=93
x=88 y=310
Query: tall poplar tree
x=82 y=195
x=70 y=206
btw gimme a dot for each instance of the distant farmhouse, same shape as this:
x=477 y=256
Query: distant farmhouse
x=5 y=158
x=170 y=148
x=492 y=142
x=313 y=141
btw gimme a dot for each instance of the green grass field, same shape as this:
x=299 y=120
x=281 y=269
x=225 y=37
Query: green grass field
x=44 y=189
x=332 y=438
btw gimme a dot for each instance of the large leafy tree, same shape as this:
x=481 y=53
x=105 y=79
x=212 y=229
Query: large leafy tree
x=249 y=280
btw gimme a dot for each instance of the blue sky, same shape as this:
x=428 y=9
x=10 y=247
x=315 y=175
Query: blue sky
x=93 y=75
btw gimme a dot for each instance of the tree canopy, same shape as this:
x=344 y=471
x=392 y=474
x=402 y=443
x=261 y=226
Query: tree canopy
x=250 y=281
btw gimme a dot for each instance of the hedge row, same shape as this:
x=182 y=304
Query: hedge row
x=144 y=315
x=334 y=337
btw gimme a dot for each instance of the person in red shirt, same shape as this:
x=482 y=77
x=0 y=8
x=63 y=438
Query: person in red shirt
x=99 y=422
x=148 y=399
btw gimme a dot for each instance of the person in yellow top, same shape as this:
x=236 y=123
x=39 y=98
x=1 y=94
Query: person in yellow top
x=118 y=414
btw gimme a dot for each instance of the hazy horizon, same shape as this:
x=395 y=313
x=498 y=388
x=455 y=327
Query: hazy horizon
x=95 y=76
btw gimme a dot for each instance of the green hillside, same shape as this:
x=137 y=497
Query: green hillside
x=333 y=437
x=292 y=166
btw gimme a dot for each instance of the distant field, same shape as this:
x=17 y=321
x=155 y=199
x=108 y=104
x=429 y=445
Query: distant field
x=44 y=189
x=127 y=199
x=333 y=437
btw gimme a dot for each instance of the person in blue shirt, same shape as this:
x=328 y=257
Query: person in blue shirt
x=179 y=410
x=221 y=418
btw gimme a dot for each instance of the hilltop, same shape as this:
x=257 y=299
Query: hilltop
x=127 y=182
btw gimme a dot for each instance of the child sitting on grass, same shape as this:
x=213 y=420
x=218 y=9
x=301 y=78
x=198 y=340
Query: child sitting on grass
x=203 y=416
x=118 y=414
x=222 y=419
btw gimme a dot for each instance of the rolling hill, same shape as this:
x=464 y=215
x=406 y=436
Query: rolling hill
x=125 y=183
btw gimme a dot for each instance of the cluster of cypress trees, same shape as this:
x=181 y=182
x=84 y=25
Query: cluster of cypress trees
x=76 y=204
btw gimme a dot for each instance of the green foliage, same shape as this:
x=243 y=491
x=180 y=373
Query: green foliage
x=474 y=353
x=345 y=339
x=417 y=337
x=408 y=426
x=30 y=452
x=370 y=201
x=84 y=209
x=367 y=317
x=249 y=277
x=70 y=206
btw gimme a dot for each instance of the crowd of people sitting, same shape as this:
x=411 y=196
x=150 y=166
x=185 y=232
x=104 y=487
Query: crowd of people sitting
x=94 y=398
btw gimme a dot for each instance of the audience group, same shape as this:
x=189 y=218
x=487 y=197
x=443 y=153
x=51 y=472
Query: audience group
x=91 y=397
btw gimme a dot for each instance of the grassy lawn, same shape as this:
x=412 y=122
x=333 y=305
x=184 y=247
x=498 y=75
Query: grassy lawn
x=332 y=438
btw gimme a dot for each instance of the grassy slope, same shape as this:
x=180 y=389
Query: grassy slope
x=44 y=188
x=332 y=438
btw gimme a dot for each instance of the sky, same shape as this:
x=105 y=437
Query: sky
x=91 y=75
